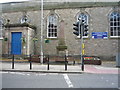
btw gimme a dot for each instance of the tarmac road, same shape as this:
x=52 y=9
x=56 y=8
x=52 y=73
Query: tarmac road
x=56 y=80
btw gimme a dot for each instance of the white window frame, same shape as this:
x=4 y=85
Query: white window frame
x=87 y=17
x=53 y=20
x=115 y=35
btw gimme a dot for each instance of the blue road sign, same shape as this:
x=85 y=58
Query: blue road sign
x=100 y=35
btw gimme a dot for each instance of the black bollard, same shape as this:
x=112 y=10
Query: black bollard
x=74 y=62
x=30 y=62
x=65 y=62
x=82 y=63
x=13 y=62
x=48 y=63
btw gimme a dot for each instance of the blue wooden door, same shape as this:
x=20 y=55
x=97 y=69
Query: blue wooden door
x=16 y=44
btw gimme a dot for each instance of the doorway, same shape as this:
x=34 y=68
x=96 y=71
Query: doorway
x=16 y=43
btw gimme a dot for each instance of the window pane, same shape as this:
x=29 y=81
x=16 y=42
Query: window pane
x=52 y=27
x=111 y=24
x=115 y=24
x=111 y=19
x=55 y=34
x=119 y=28
x=49 y=26
x=55 y=26
x=52 y=34
x=118 y=18
x=48 y=30
x=115 y=33
x=119 y=32
x=115 y=28
x=115 y=19
x=111 y=31
x=55 y=30
x=49 y=34
x=119 y=23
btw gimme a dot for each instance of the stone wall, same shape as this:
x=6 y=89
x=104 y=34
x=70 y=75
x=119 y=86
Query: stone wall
x=98 y=22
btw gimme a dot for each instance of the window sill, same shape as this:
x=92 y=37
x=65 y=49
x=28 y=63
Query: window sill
x=1 y=38
x=52 y=38
x=114 y=37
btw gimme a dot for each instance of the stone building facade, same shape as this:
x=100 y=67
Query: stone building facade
x=18 y=40
x=97 y=18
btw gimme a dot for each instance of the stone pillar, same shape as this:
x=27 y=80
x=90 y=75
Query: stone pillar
x=61 y=44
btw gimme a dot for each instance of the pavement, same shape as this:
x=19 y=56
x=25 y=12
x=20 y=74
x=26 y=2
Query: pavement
x=107 y=67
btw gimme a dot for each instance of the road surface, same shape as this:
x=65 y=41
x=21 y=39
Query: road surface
x=55 y=80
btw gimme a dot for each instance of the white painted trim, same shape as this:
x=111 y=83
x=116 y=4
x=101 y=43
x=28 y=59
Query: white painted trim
x=114 y=36
x=1 y=38
x=52 y=37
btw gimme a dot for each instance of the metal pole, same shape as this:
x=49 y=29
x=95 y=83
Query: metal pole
x=30 y=62
x=41 y=58
x=82 y=63
x=74 y=62
x=65 y=62
x=13 y=62
x=82 y=27
x=48 y=63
